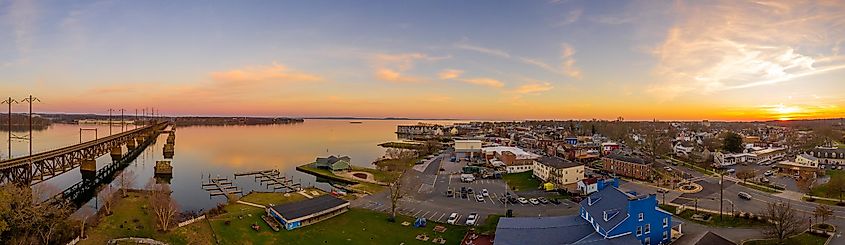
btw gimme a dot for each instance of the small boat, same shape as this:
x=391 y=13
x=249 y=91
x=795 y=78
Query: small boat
x=356 y=122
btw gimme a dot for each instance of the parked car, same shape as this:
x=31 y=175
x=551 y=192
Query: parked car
x=534 y=201
x=463 y=189
x=485 y=193
x=469 y=190
x=479 y=198
x=764 y=180
x=464 y=195
x=452 y=218
x=662 y=190
x=512 y=200
x=522 y=200
x=543 y=200
x=555 y=201
x=471 y=218
x=450 y=193
x=730 y=170
x=668 y=169
x=744 y=195
x=769 y=173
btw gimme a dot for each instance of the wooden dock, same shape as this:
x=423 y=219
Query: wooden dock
x=221 y=186
x=273 y=179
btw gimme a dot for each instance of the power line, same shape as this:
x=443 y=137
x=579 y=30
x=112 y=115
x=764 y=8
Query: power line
x=9 y=126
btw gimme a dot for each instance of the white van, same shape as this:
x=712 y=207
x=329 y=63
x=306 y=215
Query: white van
x=467 y=178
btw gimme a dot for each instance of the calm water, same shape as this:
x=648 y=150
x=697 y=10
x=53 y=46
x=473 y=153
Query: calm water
x=223 y=150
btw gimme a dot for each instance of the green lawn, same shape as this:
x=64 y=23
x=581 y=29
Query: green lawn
x=821 y=190
x=379 y=175
x=357 y=226
x=489 y=225
x=726 y=221
x=522 y=181
x=131 y=219
x=800 y=239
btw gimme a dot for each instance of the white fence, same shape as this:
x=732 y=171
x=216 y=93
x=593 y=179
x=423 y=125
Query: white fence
x=191 y=221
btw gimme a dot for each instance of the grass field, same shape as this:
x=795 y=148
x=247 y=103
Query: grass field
x=821 y=190
x=800 y=239
x=726 y=220
x=522 y=181
x=357 y=226
x=131 y=219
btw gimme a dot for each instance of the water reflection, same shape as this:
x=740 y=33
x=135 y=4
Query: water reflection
x=219 y=151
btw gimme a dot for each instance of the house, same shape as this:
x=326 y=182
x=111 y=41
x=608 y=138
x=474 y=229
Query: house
x=467 y=148
x=614 y=213
x=561 y=173
x=828 y=156
x=721 y=160
x=515 y=159
x=609 y=147
x=711 y=238
x=608 y=216
x=627 y=165
x=309 y=211
x=589 y=185
x=333 y=163
x=769 y=155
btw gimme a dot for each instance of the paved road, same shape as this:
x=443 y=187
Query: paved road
x=759 y=201
x=426 y=197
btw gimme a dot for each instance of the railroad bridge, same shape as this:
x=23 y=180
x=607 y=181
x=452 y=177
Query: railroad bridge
x=45 y=165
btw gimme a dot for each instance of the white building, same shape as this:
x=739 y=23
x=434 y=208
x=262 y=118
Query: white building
x=467 y=148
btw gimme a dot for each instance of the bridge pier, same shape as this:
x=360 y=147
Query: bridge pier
x=88 y=168
x=130 y=144
x=116 y=153
x=169 y=150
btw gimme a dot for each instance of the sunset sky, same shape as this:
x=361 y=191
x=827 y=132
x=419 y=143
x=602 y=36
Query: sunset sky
x=673 y=60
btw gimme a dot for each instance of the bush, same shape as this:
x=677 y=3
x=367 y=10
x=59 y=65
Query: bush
x=810 y=199
x=840 y=204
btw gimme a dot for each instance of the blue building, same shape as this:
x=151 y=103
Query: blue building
x=608 y=216
x=614 y=213
x=571 y=141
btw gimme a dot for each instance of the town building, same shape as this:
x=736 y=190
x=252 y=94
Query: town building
x=721 y=159
x=609 y=147
x=309 y=211
x=589 y=185
x=769 y=155
x=608 y=216
x=626 y=165
x=561 y=173
x=468 y=148
x=804 y=165
x=828 y=156
x=515 y=159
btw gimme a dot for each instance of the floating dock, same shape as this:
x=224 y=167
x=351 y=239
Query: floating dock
x=274 y=179
x=221 y=187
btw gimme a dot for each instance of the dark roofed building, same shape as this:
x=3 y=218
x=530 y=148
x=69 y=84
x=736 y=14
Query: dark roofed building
x=828 y=156
x=711 y=238
x=551 y=230
x=627 y=165
x=297 y=214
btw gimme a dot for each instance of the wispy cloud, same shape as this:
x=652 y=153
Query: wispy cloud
x=489 y=82
x=22 y=16
x=567 y=68
x=449 y=74
x=736 y=45
x=275 y=73
x=391 y=67
x=532 y=88
x=571 y=17
x=568 y=64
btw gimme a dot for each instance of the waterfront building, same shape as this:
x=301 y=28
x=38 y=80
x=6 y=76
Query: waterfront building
x=515 y=159
x=333 y=163
x=309 y=211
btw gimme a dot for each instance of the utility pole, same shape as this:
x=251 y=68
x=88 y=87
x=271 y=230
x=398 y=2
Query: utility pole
x=110 y=111
x=9 y=126
x=30 y=100
x=122 y=122
x=135 y=122
x=721 y=190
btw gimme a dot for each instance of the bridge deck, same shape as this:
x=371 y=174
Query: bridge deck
x=22 y=161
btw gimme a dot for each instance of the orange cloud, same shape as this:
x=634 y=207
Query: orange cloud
x=391 y=67
x=274 y=73
x=389 y=75
x=534 y=88
x=449 y=74
x=489 y=82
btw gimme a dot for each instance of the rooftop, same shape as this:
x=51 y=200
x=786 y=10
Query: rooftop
x=626 y=158
x=557 y=162
x=519 y=152
x=295 y=210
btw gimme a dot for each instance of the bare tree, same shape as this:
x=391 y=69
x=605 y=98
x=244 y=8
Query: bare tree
x=784 y=221
x=163 y=206
x=822 y=212
x=396 y=193
x=106 y=196
x=805 y=183
x=745 y=174
x=125 y=180
x=51 y=218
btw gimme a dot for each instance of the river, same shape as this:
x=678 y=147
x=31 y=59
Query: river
x=212 y=151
